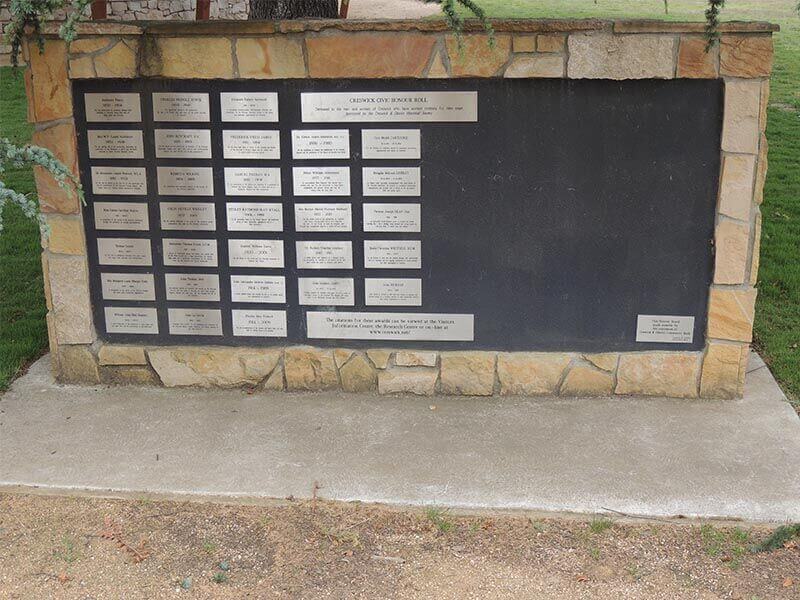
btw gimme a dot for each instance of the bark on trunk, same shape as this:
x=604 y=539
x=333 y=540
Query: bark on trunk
x=293 y=9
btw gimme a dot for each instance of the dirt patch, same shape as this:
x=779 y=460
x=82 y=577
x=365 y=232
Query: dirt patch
x=392 y=9
x=51 y=547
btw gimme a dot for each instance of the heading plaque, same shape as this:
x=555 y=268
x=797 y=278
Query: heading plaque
x=369 y=107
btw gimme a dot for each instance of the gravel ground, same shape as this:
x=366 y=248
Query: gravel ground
x=81 y=547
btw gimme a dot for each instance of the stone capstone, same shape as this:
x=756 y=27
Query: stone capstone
x=212 y=367
x=607 y=56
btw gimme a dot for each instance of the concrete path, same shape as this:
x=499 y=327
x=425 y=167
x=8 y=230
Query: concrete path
x=737 y=459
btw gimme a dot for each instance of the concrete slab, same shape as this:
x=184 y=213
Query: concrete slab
x=656 y=457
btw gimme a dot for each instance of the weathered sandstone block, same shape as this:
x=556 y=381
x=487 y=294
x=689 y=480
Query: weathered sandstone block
x=524 y=43
x=736 y=187
x=379 y=358
x=420 y=381
x=51 y=94
x=746 y=55
x=66 y=235
x=536 y=65
x=86 y=45
x=755 y=255
x=732 y=245
x=212 y=367
x=358 y=375
x=761 y=169
x=606 y=56
x=193 y=58
x=607 y=361
x=530 y=373
x=110 y=355
x=437 y=69
x=730 y=314
x=128 y=376
x=587 y=381
x=369 y=55
x=69 y=288
x=76 y=364
x=671 y=374
x=118 y=61
x=467 y=373
x=724 y=367
x=693 y=60
x=546 y=42
x=415 y=358
x=475 y=58
x=740 y=126
x=82 y=68
x=270 y=58
x=310 y=369
x=60 y=140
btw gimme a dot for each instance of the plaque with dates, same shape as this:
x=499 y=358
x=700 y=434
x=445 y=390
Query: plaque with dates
x=464 y=213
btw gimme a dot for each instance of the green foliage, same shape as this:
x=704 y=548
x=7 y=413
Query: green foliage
x=778 y=538
x=438 y=518
x=456 y=22
x=600 y=525
x=28 y=16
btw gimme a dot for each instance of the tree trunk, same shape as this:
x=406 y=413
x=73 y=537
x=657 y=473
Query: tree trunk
x=293 y=9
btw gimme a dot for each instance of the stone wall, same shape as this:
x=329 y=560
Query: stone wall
x=587 y=49
x=145 y=10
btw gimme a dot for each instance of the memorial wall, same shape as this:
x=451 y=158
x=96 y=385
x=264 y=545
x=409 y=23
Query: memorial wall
x=367 y=206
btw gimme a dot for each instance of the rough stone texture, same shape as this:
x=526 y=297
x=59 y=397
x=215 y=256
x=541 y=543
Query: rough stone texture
x=275 y=382
x=212 y=367
x=270 y=58
x=358 y=375
x=110 y=355
x=524 y=43
x=756 y=251
x=69 y=288
x=66 y=235
x=467 y=373
x=310 y=369
x=761 y=169
x=372 y=55
x=732 y=245
x=379 y=358
x=724 y=368
x=476 y=58
x=128 y=376
x=195 y=58
x=586 y=381
x=740 y=128
x=85 y=45
x=341 y=356
x=746 y=55
x=536 y=65
x=437 y=69
x=530 y=373
x=730 y=314
x=76 y=364
x=60 y=140
x=51 y=93
x=736 y=187
x=672 y=374
x=81 y=68
x=415 y=358
x=119 y=61
x=606 y=361
x=420 y=381
x=763 y=106
x=606 y=56
x=693 y=60
x=550 y=43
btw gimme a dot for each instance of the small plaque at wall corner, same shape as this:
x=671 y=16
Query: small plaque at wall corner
x=666 y=329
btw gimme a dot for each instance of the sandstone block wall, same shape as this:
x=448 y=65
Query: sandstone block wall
x=321 y=49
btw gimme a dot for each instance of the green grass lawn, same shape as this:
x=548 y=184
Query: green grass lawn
x=23 y=332
x=22 y=328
